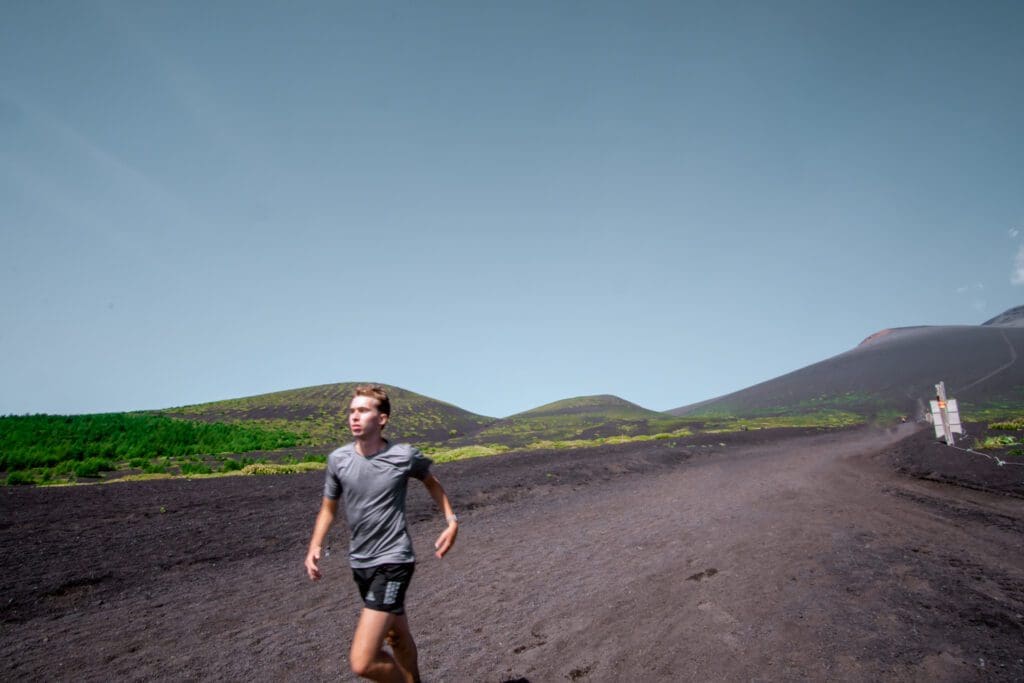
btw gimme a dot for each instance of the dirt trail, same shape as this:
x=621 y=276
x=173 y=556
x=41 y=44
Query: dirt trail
x=759 y=557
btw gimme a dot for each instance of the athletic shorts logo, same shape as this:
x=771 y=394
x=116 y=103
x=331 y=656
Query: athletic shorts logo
x=391 y=592
x=370 y=597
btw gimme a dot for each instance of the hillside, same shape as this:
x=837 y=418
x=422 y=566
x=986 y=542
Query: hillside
x=320 y=412
x=893 y=372
x=583 y=417
x=1011 y=318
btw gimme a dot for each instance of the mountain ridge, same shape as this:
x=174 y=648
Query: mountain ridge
x=894 y=371
x=891 y=372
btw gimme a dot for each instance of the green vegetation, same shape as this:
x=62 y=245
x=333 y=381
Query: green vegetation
x=585 y=418
x=319 y=413
x=1015 y=424
x=260 y=468
x=91 y=467
x=1005 y=409
x=194 y=468
x=281 y=468
x=17 y=478
x=450 y=454
x=1008 y=423
x=995 y=442
x=48 y=440
x=210 y=440
x=48 y=449
x=827 y=419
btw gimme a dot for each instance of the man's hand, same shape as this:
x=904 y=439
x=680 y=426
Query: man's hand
x=312 y=557
x=328 y=508
x=446 y=540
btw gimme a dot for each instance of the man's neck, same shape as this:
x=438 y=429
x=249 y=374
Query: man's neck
x=370 y=446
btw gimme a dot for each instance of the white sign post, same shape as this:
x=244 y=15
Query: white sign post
x=945 y=415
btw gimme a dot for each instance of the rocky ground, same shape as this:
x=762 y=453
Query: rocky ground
x=858 y=554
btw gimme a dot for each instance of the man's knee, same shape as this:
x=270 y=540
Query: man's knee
x=361 y=661
x=361 y=665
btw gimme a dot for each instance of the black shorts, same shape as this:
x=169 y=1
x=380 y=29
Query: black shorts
x=383 y=587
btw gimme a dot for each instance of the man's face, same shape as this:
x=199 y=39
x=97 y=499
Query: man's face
x=364 y=418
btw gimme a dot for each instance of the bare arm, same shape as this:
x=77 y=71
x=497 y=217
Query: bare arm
x=328 y=509
x=445 y=541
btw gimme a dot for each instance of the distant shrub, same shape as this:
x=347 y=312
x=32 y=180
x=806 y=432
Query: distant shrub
x=194 y=468
x=138 y=463
x=314 y=457
x=467 y=452
x=20 y=478
x=1015 y=424
x=66 y=467
x=268 y=468
x=91 y=467
x=996 y=442
x=139 y=477
x=232 y=465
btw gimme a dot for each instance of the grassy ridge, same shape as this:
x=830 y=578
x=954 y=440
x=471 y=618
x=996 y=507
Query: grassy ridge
x=320 y=413
x=584 y=418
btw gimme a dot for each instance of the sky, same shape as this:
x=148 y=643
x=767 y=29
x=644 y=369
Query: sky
x=496 y=204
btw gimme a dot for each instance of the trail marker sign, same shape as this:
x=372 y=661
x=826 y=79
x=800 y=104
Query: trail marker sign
x=945 y=415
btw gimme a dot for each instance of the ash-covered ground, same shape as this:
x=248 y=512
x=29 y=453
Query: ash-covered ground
x=784 y=554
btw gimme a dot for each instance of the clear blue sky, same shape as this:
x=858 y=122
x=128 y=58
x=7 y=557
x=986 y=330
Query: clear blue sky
x=497 y=204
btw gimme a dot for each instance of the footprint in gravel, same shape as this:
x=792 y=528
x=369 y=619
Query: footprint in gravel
x=523 y=648
x=577 y=674
x=700 y=576
x=539 y=639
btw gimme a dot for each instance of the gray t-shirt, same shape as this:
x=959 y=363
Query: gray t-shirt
x=373 y=489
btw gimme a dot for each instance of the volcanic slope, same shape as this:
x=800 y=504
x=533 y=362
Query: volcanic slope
x=746 y=556
x=583 y=417
x=894 y=372
x=320 y=413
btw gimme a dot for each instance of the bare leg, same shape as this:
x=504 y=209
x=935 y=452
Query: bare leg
x=367 y=658
x=404 y=647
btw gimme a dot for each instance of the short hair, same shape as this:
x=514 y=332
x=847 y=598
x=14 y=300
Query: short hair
x=375 y=391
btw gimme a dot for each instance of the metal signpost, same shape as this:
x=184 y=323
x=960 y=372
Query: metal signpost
x=945 y=415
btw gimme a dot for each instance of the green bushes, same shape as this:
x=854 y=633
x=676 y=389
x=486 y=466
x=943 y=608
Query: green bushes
x=16 y=478
x=231 y=465
x=995 y=442
x=48 y=440
x=270 y=468
x=1015 y=424
x=91 y=467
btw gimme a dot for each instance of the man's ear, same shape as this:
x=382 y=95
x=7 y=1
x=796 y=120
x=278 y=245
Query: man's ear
x=383 y=417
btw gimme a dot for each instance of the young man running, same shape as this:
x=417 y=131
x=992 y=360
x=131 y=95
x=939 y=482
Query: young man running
x=371 y=476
